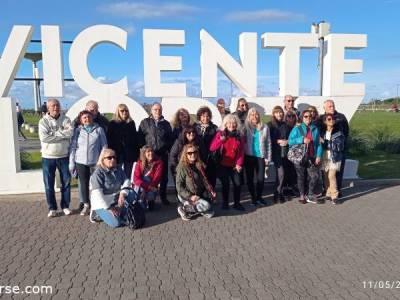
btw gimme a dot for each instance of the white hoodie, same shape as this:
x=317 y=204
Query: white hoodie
x=55 y=136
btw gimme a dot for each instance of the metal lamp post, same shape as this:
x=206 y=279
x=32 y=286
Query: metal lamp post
x=35 y=57
x=322 y=29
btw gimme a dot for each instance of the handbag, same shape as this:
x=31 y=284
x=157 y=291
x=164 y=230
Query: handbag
x=297 y=154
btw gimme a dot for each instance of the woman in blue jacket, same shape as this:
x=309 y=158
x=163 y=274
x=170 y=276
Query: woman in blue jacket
x=87 y=142
x=307 y=133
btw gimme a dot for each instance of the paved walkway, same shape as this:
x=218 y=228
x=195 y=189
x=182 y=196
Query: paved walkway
x=284 y=251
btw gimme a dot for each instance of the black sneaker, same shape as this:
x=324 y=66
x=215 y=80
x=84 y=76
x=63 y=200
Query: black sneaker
x=262 y=202
x=238 y=206
x=165 y=201
x=281 y=199
x=254 y=203
x=225 y=206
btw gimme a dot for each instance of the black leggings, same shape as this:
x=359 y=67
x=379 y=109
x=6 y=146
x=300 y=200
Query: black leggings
x=253 y=164
x=227 y=174
x=83 y=176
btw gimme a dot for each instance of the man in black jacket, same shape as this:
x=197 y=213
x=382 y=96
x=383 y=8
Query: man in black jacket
x=156 y=132
x=343 y=125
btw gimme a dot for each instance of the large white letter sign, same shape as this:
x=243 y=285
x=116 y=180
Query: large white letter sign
x=335 y=65
x=53 y=70
x=154 y=63
x=108 y=95
x=79 y=52
x=213 y=56
x=13 y=53
x=289 y=58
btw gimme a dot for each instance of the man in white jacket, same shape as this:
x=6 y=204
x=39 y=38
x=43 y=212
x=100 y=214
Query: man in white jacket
x=55 y=132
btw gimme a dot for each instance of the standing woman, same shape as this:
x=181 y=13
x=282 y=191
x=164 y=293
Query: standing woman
x=122 y=137
x=194 y=190
x=181 y=120
x=147 y=175
x=279 y=131
x=207 y=130
x=290 y=188
x=333 y=146
x=87 y=142
x=230 y=144
x=314 y=114
x=308 y=134
x=257 y=154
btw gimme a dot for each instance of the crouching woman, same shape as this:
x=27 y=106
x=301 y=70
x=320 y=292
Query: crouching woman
x=194 y=190
x=109 y=188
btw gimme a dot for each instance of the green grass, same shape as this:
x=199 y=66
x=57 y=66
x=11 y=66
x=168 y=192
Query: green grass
x=379 y=164
x=366 y=121
x=31 y=160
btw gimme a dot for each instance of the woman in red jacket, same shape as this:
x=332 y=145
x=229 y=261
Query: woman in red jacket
x=147 y=175
x=228 y=144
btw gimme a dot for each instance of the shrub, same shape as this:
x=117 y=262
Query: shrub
x=358 y=143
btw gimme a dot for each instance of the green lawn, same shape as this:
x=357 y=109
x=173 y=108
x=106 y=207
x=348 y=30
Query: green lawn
x=373 y=163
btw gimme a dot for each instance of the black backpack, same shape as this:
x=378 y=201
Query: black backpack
x=135 y=213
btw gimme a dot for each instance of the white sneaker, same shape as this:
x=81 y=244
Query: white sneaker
x=67 y=211
x=52 y=214
x=183 y=214
x=85 y=210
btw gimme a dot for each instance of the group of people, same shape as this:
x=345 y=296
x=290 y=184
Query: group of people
x=113 y=160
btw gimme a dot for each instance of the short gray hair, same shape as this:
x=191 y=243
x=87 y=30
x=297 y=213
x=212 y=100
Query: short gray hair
x=231 y=117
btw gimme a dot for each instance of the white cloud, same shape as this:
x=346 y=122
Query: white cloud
x=266 y=15
x=130 y=29
x=141 y=10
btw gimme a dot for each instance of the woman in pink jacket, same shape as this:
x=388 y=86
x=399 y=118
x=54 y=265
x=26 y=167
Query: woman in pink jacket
x=228 y=149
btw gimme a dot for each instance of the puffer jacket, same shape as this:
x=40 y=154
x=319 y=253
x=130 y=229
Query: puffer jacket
x=232 y=148
x=157 y=135
x=86 y=146
x=55 y=136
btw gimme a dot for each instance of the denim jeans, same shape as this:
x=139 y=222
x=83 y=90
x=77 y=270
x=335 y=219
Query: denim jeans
x=49 y=166
x=201 y=205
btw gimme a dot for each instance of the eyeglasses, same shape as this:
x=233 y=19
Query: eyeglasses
x=306 y=116
x=191 y=153
x=123 y=110
x=110 y=157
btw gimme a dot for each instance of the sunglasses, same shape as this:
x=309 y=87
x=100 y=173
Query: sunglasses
x=191 y=153
x=110 y=157
x=290 y=100
x=329 y=119
x=306 y=116
x=124 y=110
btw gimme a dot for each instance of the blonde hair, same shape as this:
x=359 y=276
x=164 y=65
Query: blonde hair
x=104 y=153
x=183 y=161
x=228 y=118
x=142 y=156
x=176 y=122
x=248 y=124
x=117 y=114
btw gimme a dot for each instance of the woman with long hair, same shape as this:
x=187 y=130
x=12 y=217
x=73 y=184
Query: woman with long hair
x=147 y=176
x=207 y=130
x=257 y=154
x=122 y=137
x=228 y=143
x=279 y=131
x=180 y=120
x=188 y=136
x=194 y=190
x=87 y=142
